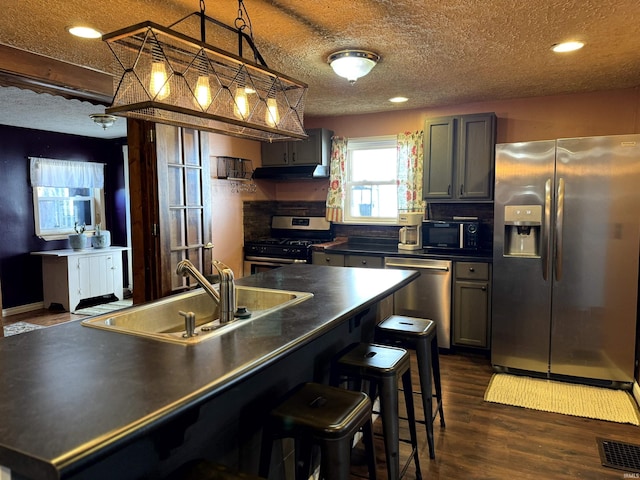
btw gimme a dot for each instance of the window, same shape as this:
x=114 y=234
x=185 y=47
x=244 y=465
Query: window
x=66 y=193
x=371 y=186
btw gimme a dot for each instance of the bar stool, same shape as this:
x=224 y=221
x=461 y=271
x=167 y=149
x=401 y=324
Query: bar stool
x=325 y=416
x=382 y=366
x=419 y=334
x=205 y=470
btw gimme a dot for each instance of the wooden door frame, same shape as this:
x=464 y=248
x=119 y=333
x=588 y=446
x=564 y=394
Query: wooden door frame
x=145 y=217
x=150 y=234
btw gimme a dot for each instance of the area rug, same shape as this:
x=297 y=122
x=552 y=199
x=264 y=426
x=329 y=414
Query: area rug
x=105 y=308
x=560 y=397
x=20 y=327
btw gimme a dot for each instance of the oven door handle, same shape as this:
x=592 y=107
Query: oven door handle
x=287 y=261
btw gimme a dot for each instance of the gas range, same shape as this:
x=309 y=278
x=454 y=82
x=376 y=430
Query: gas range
x=290 y=242
x=289 y=248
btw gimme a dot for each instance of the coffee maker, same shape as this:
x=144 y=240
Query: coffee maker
x=410 y=235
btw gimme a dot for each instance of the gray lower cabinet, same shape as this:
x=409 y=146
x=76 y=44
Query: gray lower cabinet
x=472 y=304
x=471 y=295
x=331 y=259
x=364 y=261
x=340 y=260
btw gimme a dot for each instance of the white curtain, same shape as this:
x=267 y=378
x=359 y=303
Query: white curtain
x=47 y=172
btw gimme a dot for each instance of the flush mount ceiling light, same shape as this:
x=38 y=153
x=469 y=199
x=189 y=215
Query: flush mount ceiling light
x=103 y=119
x=167 y=77
x=353 y=64
x=567 y=46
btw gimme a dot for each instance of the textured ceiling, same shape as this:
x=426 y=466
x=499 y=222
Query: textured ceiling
x=436 y=53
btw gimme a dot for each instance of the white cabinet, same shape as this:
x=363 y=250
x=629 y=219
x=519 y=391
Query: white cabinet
x=69 y=276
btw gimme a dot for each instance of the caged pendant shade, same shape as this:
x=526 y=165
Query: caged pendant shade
x=164 y=76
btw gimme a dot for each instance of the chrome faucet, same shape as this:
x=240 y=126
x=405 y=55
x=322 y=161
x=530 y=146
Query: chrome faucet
x=227 y=292
x=226 y=299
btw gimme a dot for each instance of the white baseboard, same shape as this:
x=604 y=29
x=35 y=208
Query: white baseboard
x=636 y=392
x=7 y=312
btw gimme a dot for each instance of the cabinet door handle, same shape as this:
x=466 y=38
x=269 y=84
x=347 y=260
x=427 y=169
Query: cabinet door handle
x=284 y=158
x=462 y=189
x=293 y=157
x=449 y=190
x=484 y=289
x=364 y=262
x=471 y=269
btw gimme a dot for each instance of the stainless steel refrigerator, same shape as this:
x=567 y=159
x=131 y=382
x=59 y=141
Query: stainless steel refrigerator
x=565 y=259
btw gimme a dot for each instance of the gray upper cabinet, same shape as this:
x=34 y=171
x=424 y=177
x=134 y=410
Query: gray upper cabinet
x=315 y=150
x=459 y=154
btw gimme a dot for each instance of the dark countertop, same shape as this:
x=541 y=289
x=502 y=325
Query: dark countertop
x=390 y=249
x=70 y=395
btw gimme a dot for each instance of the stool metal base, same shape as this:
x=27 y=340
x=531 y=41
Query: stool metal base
x=419 y=334
x=382 y=366
x=321 y=415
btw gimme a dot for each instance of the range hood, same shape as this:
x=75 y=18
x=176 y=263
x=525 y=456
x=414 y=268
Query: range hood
x=296 y=172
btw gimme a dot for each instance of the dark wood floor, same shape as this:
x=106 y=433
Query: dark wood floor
x=485 y=440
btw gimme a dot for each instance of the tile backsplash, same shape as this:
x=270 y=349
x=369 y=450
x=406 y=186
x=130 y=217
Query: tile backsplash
x=257 y=215
x=257 y=218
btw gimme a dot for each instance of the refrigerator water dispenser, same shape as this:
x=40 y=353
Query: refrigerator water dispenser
x=522 y=224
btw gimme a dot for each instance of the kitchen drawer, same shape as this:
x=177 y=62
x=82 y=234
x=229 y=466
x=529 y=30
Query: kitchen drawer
x=331 y=259
x=366 y=261
x=472 y=270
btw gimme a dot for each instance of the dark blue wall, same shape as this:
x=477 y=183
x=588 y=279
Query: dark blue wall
x=20 y=272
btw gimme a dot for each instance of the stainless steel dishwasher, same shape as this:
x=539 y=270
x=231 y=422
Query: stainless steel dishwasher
x=428 y=296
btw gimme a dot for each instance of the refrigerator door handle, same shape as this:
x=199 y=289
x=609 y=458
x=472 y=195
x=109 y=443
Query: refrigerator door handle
x=559 y=228
x=546 y=245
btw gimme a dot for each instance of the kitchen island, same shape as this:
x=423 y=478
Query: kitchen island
x=80 y=403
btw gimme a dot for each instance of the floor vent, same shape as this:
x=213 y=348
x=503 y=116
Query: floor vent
x=623 y=456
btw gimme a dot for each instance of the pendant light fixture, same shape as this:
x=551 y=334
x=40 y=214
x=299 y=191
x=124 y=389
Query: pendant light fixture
x=167 y=77
x=353 y=64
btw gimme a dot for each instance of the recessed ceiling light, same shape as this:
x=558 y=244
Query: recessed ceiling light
x=567 y=47
x=398 y=99
x=84 y=32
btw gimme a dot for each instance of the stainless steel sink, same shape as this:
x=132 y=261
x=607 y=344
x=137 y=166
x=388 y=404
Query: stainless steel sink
x=161 y=319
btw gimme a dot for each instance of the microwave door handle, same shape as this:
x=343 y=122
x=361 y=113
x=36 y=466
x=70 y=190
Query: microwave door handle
x=546 y=245
x=559 y=229
x=460 y=236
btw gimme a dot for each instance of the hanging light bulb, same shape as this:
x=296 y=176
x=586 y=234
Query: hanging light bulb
x=272 y=115
x=240 y=103
x=203 y=92
x=158 y=85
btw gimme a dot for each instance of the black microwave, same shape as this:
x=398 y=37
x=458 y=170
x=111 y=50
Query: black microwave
x=450 y=235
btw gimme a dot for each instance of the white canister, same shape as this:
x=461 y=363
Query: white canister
x=101 y=241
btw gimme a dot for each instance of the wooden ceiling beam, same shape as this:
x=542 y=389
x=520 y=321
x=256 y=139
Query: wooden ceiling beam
x=42 y=74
